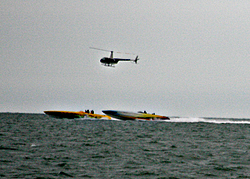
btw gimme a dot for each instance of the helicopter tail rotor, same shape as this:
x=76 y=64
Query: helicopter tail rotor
x=136 y=59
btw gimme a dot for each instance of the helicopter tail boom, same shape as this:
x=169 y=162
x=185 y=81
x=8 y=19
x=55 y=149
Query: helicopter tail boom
x=123 y=59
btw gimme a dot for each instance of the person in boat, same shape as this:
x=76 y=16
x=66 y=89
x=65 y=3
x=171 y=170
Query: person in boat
x=92 y=112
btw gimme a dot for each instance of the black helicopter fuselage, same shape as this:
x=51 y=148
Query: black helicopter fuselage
x=109 y=61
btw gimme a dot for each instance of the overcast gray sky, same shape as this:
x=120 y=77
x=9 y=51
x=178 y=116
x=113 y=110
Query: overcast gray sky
x=194 y=56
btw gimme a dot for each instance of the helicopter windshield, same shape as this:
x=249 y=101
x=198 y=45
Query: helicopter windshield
x=104 y=59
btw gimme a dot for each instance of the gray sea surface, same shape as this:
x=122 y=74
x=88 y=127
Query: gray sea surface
x=38 y=146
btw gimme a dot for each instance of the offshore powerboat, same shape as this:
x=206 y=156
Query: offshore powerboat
x=124 y=115
x=72 y=114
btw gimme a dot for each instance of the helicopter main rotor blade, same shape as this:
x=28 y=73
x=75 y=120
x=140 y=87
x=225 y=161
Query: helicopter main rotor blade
x=111 y=51
x=100 y=49
x=125 y=53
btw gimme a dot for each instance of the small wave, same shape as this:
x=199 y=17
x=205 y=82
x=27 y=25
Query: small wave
x=65 y=174
x=7 y=148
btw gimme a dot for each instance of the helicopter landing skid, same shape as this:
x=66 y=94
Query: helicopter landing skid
x=108 y=65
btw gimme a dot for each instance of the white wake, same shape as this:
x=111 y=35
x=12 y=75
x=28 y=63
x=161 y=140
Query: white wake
x=214 y=120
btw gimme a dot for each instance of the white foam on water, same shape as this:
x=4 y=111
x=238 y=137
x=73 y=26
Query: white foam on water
x=187 y=120
x=216 y=121
x=33 y=145
x=226 y=121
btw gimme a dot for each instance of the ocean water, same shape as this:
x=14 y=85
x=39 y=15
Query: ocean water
x=38 y=146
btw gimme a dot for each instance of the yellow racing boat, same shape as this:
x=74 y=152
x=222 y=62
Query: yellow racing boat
x=72 y=114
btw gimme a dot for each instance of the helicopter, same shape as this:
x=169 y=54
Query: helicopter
x=111 y=61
